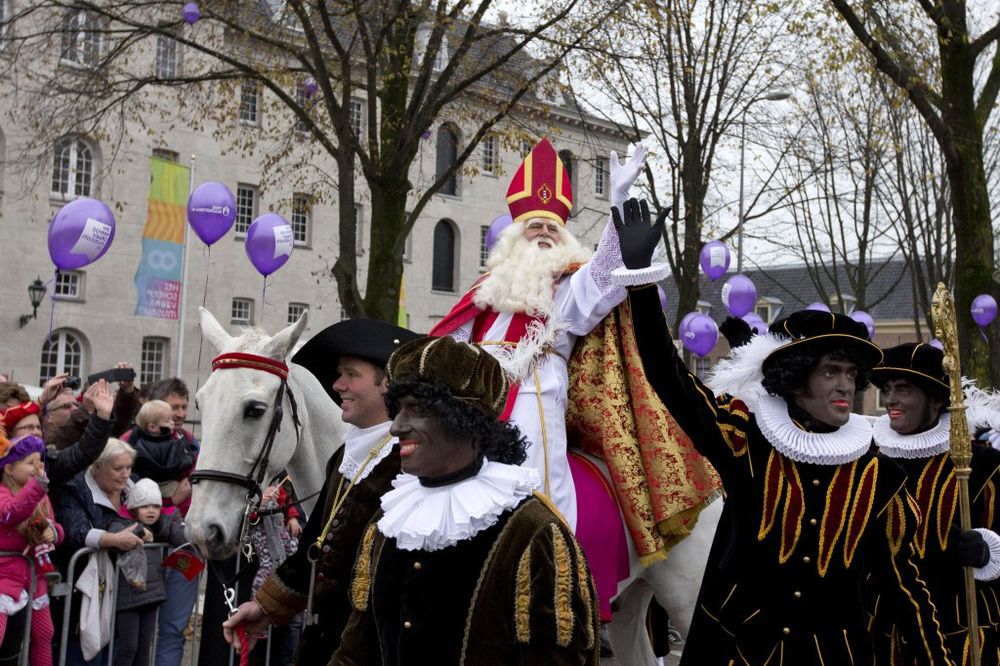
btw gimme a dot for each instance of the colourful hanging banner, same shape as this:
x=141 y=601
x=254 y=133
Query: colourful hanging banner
x=158 y=278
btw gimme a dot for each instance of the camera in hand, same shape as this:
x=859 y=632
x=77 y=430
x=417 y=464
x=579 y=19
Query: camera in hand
x=72 y=383
x=113 y=375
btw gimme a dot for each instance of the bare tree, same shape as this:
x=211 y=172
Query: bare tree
x=412 y=64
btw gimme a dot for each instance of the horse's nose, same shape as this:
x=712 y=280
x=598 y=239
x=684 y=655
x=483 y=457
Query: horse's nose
x=210 y=538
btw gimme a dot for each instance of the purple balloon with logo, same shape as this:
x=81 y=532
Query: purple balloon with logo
x=818 y=307
x=739 y=295
x=191 y=13
x=499 y=223
x=211 y=211
x=984 y=309
x=699 y=334
x=755 y=322
x=863 y=317
x=714 y=259
x=80 y=233
x=269 y=243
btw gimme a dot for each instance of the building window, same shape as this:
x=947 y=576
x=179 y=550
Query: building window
x=704 y=307
x=246 y=206
x=301 y=217
x=768 y=309
x=484 y=250
x=168 y=57
x=843 y=304
x=569 y=164
x=61 y=352
x=304 y=101
x=526 y=147
x=295 y=311
x=68 y=286
x=601 y=177
x=166 y=155
x=81 y=38
x=249 y=103
x=408 y=244
x=443 y=274
x=357 y=114
x=242 y=312
x=153 y=363
x=5 y=17
x=490 y=155
x=72 y=169
x=359 y=229
x=447 y=155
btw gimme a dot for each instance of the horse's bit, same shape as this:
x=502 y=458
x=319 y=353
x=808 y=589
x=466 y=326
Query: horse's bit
x=254 y=479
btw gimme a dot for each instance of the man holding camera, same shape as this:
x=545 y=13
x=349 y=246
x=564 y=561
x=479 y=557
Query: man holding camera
x=64 y=419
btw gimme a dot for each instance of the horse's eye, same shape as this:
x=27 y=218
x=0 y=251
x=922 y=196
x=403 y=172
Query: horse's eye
x=254 y=410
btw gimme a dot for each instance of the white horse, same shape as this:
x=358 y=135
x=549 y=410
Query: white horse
x=237 y=405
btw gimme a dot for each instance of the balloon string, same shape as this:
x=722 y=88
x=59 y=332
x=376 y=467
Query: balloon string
x=206 y=255
x=982 y=332
x=263 y=302
x=52 y=311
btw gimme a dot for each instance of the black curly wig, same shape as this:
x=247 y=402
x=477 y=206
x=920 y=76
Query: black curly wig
x=782 y=378
x=496 y=440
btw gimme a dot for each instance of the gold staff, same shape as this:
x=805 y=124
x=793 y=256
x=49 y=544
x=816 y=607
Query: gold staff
x=946 y=329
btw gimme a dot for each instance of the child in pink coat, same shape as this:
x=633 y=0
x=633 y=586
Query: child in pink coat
x=27 y=525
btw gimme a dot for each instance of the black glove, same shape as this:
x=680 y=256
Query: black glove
x=968 y=549
x=636 y=237
x=736 y=331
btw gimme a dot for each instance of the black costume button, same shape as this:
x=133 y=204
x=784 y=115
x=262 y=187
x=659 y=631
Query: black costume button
x=326 y=549
x=407 y=625
x=797 y=594
x=806 y=559
x=786 y=630
x=418 y=566
x=334 y=523
x=329 y=537
x=812 y=521
x=815 y=482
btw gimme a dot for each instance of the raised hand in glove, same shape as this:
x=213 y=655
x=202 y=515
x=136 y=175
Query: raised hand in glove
x=968 y=548
x=736 y=331
x=624 y=175
x=636 y=236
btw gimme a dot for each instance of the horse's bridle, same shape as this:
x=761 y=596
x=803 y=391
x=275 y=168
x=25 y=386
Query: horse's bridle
x=254 y=479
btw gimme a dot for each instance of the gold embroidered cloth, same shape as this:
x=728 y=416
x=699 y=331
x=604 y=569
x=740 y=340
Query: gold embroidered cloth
x=660 y=480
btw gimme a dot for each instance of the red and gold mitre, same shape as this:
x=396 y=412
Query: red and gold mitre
x=540 y=188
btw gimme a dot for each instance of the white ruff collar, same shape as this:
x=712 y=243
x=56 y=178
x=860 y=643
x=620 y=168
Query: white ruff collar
x=421 y=518
x=921 y=445
x=358 y=445
x=846 y=443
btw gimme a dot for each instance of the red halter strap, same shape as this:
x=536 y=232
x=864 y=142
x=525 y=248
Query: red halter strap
x=250 y=361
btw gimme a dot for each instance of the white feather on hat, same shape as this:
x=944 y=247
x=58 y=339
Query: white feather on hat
x=145 y=492
x=982 y=408
x=740 y=374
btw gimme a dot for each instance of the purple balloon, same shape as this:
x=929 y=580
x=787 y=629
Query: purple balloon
x=984 y=309
x=699 y=334
x=936 y=343
x=310 y=86
x=714 y=259
x=755 y=321
x=863 y=317
x=739 y=295
x=819 y=307
x=191 y=13
x=499 y=223
x=211 y=211
x=663 y=297
x=80 y=233
x=681 y=327
x=269 y=243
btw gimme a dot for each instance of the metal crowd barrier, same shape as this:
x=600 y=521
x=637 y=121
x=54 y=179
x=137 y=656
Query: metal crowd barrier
x=32 y=588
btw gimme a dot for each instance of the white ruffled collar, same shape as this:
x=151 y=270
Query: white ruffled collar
x=358 y=445
x=422 y=518
x=845 y=444
x=921 y=445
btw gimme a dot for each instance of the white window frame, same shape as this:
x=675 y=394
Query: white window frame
x=489 y=155
x=359 y=229
x=704 y=307
x=168 y=57
x=82 y=42
x=301 y=218
x=601 y=177
x=60 y=338
x=295 y=311
x=356 y=113
x=249 y=111
x=304 y=101
x=6 y=12
x=771 y=307
x=68 y=286
x=73 y=168
x=246 y=306
x=254 y=193
x=166 y=155
x=151 y=368
x=484 y=251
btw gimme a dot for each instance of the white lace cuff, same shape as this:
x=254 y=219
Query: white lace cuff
x=607 y=257
x=992 y=569
x=633 y=277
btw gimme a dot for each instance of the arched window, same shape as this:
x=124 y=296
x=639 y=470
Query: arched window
x=62 y=352
x=82 y=38
x=447 y=155
x=72 y=169
x=443 y=278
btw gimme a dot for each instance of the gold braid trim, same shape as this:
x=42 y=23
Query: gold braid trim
x=361 y=585
x=563 y=602
x=522 y=599
x=583 y=580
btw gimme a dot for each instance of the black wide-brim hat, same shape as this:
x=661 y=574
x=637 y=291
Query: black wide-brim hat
x=818 y=331
x=367 y=339
x=919 y=363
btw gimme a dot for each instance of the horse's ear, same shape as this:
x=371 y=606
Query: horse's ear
x=283 y=342
x=213 y=330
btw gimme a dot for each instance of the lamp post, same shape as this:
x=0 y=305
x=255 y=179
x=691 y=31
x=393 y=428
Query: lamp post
x=776 y=96
x=36 y=292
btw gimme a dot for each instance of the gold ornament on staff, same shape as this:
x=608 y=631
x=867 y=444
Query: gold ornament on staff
x=946 y=330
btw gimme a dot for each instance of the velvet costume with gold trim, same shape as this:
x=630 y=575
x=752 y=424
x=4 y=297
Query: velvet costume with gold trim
x=932 y=484
x=518 y=592
x=801 y=537
x=284 y=593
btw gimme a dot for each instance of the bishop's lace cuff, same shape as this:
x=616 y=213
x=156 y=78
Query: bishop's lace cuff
x=634 y=277
x=991 y=571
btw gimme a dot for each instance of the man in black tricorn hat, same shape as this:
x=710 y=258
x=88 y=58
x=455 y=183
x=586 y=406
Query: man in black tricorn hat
x=812 y=510
x=349 y=360
x=915 y=433
x=465 y=563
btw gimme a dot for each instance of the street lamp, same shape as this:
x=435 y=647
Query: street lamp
x=775 y=96
x=36 y=292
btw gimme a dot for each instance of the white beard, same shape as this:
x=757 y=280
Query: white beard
x=523 y=276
